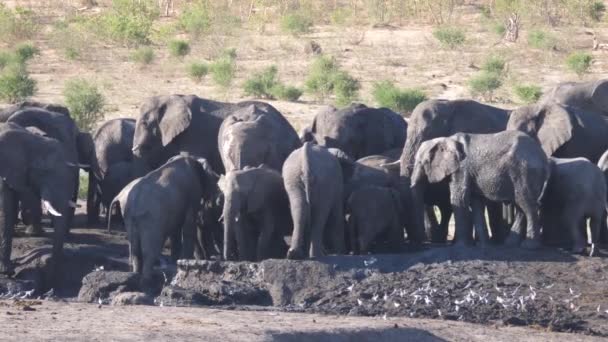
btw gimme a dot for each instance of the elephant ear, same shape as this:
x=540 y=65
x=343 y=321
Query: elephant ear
x=176 y=119
x=599 y=95
x=444 y=159
x=554 y=127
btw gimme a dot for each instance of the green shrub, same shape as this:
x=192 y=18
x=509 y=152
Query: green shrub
x=83 y=189
x=85 y=102
x=229 y=54
x=296 y=23
x=17 y=25
x=261 y=84
x=179 y=48
x=195 y=19
x=197 y=71
x=26 y=51
x=485 y=83
x=449 y=37
x=499 y=29
x=223 y=71
x=494 y=64
x=286 y=93
x=346 y=88
x=386 y=94
x=528 y=93
x=7 y=58
x=579 y=62
x=596 y=10
x=540 y=39
x=320 y=80
x=127 y=22
x=143 y=55
x=15 y=83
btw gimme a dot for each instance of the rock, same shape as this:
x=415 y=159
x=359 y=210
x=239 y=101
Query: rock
x=104 y=284
x=132 y=298
x=313 y=48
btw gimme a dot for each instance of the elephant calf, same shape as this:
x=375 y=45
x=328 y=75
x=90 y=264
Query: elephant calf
x=374 y=219
x=256 y=214
x=576 y=191
x=164 y=204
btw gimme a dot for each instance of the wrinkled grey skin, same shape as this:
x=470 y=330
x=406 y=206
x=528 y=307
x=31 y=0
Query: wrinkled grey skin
x=591 y=96
x=76 y=146
x=256 y=214
x=114 y=165
x=603 y=165
x=164 y=204
x=374 y=222
x=6 y=113
x=314 y=184
x=210 y=229
x=120 y=200
x=563 y=132
x=254 y=135
x=575 y=192
x=433 y=119
x=502 y=167
x=168 y=125
x=357 y=130
x=34 y=166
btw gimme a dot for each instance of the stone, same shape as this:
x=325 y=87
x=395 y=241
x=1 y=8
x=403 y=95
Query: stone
x=104 y=284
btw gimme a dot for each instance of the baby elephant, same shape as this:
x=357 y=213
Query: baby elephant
x=164 y=204
x=374 y=220
x=576 y=191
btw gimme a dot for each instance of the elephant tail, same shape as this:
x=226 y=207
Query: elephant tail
x=115 y=203
x=545 y=184
x=307 y=174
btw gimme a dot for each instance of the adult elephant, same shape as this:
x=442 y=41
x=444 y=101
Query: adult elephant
x=6 y=113
x=590 y=96
x=433 y=119
x=563 y=131
x=34 y=166
x=357 y=130
x=254 y=135
x=603 y=165
x=168 y=125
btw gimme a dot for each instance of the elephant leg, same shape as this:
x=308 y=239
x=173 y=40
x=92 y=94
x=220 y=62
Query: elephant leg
x=479 y=222
x=460 y=198
x=396 y=240
x=595 y=224
x=353 y=236
x=318 y=223
x=229 y=251
x=517 y=231
x=176 y=243
x=92 y=201
x=188 y=235
x=336 y=228
x=498 y=226
x=32 y=210
x=533 y=237
x=441 y=235
x=431 y=226
x=577 y=234
x=603 y=235
x=8 y=218
x=265 y=238
x=245 y=241
x=300 y=213
x=199 y=250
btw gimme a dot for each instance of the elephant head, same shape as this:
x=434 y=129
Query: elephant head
x=161 y=120
x=247 y=143
x=591 y=96
x=437 y=159
x=550 y=124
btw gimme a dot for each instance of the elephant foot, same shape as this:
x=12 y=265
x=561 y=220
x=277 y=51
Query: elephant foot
x=593 y=250
x=513 y=240
x=462 y=243
x=294 y=254
x=531 y=244
x=34 y=230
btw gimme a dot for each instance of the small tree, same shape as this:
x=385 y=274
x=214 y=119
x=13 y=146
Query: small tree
x=85 y=102
x=15 y=83
x=579 y=63
x=386 y=94
x=484 y=84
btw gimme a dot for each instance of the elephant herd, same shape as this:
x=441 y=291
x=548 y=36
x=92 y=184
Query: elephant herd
x=235 y=180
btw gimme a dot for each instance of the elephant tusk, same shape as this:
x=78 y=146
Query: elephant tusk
x=135 y=148
x=82 y=166
x=221 y=218
x=50 y=209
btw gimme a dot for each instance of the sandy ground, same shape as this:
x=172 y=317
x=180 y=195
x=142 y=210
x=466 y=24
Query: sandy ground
x=53 y=321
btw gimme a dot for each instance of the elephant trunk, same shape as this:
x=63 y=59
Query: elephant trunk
x=416 y=229
x=408 y=157
x=232 y=222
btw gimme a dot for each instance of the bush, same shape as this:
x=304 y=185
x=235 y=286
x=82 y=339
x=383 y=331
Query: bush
x=494 y=64
x=325 y=77
x=485 y=83
x=346 y=88
x=15 y=83
x=25 y=51
x=528 y=93
x=286 y=93
x=296 y=23
x=540 y=39
x=579 y=62
x=499 y=29
x=222 y=71
x=386 y=94
x=596 y=10
x=261 y=84
x=127 y=22
x=449 y=37
x=197 y=71
x=179 y=48
x=195 y=19
x=143 y=55
x=17 y=25
x=83 y=189
x=85 y=102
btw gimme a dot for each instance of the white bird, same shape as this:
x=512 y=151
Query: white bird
x=384 y=317
x=396 y=304
x=375 y=297
x=359 y=301
x=350 y=288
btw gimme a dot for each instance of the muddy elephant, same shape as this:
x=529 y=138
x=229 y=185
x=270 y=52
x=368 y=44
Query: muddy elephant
x=563 y=132
x=433 y=119
x=164 y=204
x=357 y=130
x=34 y=167
x=591 y=96
x=256 y=214
x=508 y=166
x=576 y=191
x=603 y=165
x=374 y=220
x=254 y=135
x=314 y=183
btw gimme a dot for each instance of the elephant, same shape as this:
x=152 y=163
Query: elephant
x=576 y=191
x=374 y=220
x=254 y=135
x=120 y=201
x=210 y=229
x=603 y=165
x=256 y=214
x=77 y=148
x=357 y=130
x=6 y=113
x=563 y=131
x=591 y=96
x=442 y=118
x=168 y=125
x=164 y=204
x=314 y=183
x=509 y=166
x=34 y=167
